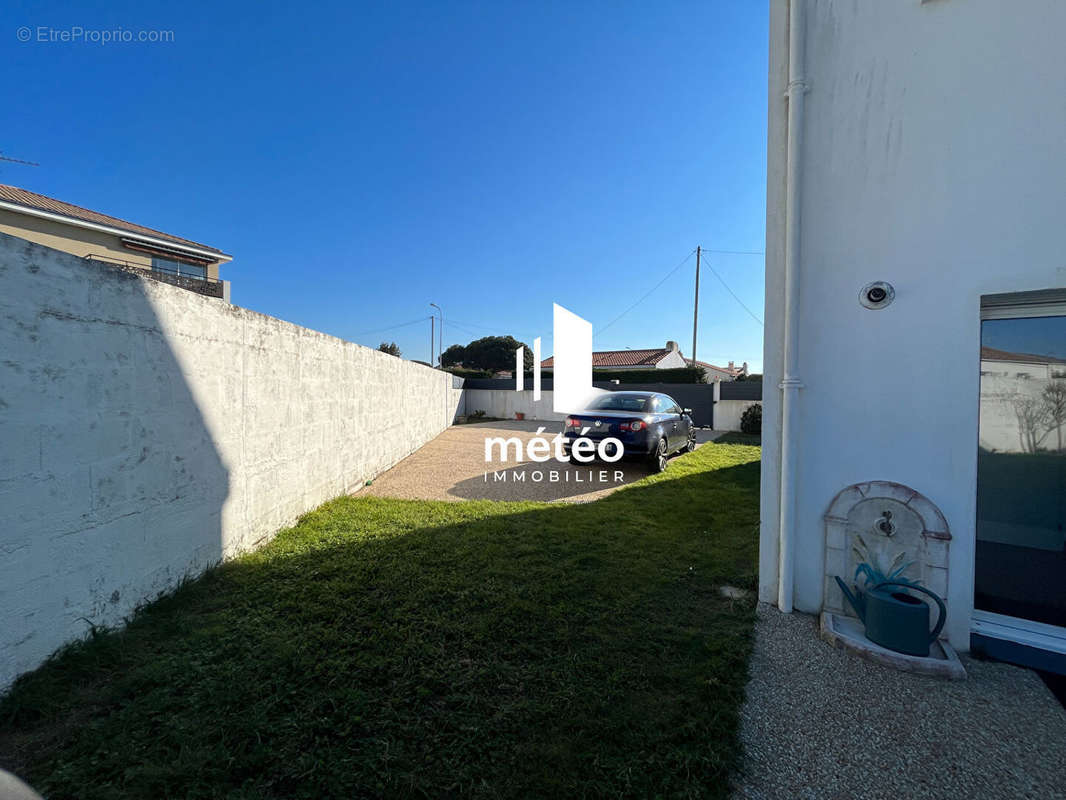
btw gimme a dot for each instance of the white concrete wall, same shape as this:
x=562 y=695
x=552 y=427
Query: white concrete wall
x=933 y=160
x=1002 y=427
x=673 y=360
x=727 y=413
x=147 y=432
x=1015 y=369
x=711 y=374
x=504 y=403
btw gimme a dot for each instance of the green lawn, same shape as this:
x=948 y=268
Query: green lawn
x=427 y=649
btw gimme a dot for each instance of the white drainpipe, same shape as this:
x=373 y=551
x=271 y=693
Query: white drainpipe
x=790 y=383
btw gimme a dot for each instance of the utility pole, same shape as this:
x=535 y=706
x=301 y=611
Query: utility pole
x=440 y=349
x=432 y=321
x=696 y=306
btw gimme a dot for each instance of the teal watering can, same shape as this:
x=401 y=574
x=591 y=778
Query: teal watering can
x=897 y=620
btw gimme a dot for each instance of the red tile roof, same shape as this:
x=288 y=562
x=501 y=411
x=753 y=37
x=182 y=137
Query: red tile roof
x=992 y=354
x=13 y=194
x=622 y=358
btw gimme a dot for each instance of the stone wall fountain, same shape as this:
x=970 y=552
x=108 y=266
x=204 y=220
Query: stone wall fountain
x=892 y=523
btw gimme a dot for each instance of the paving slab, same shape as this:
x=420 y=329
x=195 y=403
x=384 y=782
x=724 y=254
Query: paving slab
x=453 y=467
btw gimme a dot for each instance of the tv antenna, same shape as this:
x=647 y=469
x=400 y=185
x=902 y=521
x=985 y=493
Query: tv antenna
x=18 y=161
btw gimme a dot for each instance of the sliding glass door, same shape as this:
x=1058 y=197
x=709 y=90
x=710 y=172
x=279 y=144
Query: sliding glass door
x=1020 y=561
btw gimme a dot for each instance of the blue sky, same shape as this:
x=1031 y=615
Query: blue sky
x=1044 y=336
x=361 y=161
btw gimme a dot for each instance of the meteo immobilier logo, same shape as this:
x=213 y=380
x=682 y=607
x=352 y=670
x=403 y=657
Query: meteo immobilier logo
x=572 y=392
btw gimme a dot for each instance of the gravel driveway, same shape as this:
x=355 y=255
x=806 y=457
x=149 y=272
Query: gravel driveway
x=452 y=467
x=822 y=723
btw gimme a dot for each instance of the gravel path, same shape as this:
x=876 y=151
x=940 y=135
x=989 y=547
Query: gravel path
x=452 y=467
x=822 y=723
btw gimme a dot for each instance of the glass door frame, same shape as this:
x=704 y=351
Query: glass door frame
x=1026 y=632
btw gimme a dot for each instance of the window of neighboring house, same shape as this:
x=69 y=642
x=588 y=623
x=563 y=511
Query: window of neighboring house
x=178 y=268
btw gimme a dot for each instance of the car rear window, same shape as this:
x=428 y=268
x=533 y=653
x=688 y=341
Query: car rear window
x=620 y=403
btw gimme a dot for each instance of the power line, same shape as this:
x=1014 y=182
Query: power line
x=493 y=328
x=466 y=328
x=474 y=325
x=462 y=327
x=726 y=285
x=474 y=335
x=393 y=327
x=647 y=293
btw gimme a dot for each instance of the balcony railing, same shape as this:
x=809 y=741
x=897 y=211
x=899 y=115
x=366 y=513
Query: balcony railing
x=212 y=287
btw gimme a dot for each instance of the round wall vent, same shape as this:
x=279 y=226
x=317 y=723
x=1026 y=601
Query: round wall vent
x=877 y=295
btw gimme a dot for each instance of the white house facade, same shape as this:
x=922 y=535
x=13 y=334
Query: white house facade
x=730 y=372
x=916 y=308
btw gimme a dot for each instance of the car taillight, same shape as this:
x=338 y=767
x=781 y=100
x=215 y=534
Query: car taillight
x=573 y=423
x=635 y=425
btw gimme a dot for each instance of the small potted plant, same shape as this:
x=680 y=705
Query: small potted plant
x=871 y=571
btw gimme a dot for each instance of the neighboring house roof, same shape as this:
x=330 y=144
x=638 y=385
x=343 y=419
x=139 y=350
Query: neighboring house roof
x=728 y=370
x=16 y=199
x=992 y=354
x=622 y=358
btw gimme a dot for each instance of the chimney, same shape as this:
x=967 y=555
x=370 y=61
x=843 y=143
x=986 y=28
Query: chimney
x=744 y=368
x=672 y=345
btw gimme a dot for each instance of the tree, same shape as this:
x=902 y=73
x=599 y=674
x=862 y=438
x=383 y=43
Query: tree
x=391 y=348
x=755 y=377
x=454 y=355
x=1054 y=398
x=1032 y=417
x=494 y=353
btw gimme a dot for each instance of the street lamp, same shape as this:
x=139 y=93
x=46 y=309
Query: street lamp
x=440 y=348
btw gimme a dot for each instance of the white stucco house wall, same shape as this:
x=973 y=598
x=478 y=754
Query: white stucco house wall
x=730 y=372
x=919 y=144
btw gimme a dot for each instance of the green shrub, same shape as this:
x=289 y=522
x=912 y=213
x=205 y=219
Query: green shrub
x=468 y=373
x=751 y=419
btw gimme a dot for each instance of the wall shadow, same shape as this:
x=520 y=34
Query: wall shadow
x=111 y=487
x=473 y=649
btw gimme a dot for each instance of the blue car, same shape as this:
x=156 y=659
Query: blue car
x=651 y=426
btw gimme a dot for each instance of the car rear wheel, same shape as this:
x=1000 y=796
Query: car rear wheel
x=659 y=457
